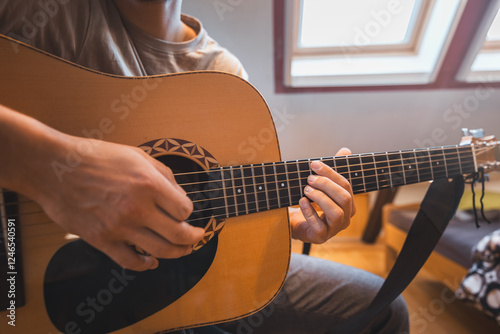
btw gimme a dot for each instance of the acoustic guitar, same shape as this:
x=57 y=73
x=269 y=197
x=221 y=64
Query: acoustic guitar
x=200 y=124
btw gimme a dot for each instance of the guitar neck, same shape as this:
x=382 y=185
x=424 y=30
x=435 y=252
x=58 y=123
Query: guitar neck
x=245 y=189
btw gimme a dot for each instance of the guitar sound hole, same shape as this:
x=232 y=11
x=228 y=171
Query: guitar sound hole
x=194 y=180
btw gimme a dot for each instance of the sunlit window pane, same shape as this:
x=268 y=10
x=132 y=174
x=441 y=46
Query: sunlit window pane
x=337 y=23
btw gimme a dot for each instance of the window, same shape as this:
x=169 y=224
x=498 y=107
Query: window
x=328 y=45
x=381 y=43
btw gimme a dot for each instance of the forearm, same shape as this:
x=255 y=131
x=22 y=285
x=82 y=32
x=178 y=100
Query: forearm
x=27 y=148
x=115 y=195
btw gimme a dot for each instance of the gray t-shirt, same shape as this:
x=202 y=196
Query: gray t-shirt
x=92 y=33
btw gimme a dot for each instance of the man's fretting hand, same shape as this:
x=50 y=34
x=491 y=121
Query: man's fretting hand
x=333 y=199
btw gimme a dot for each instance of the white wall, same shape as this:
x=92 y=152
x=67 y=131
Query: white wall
x=324 y=122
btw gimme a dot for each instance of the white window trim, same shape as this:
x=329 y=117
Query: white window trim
x=368 y=70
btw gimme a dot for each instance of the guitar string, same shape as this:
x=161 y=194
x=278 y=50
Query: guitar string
x=285 y=197
x=336 y=168
x=421 y=171
x=456 y=155
x=243 y=167
x=412 y=161
x=451 y=149
x=340 y=159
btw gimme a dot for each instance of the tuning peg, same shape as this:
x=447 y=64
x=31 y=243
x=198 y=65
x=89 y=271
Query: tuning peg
x=477 y=133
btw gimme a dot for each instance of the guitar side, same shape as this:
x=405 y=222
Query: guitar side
x=220 y=113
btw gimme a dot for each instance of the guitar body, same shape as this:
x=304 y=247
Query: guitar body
x=207 y=118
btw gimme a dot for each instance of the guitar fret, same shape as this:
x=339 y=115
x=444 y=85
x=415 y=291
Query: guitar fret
x=260 y=187
x=285 y=165
x=452 y=161
x=234 y=191
x=389 y=170
x=403 y=167
x=224 y=191
x=348 y=171
x=330 y=162
x=369 y=172
x=459 y=160
x=384 y=179
x=430 y=163
x=409 y=167
x=272 y=191
x=342 y=168
x=416 y=165
x=356 y=174
x=240 y=190
x=277 y=186
x=362 y=174
x=445 y=164
x=228 y=185
x=214 y=195
x=437 y=163
x=266 y=190
x=293 y=182
x=423 y=165
x=304 y=172
x=375 y=169
x=248 y=188
x=252 y=168
x=300 y=179
x=282 y=184
x=396 y=169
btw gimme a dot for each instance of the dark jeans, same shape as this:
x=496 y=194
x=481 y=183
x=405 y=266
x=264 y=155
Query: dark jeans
x=318 y=294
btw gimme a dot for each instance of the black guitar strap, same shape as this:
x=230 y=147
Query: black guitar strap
x=437 y=209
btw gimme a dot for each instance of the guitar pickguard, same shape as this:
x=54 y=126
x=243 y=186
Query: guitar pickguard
x=85 y=290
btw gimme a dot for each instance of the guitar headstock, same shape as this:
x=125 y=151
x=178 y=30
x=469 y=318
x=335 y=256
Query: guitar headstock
x=486 y=149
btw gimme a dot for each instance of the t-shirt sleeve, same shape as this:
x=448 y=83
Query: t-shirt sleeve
x=55 y=26
x=227 y=62
x=221 y=59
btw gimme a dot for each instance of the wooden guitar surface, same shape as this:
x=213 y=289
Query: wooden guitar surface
x=209 y=117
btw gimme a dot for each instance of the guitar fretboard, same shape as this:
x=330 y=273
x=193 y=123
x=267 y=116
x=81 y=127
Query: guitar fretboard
x=245 y=189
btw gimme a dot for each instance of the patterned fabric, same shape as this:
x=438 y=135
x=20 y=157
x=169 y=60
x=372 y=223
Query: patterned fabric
x=481 y=285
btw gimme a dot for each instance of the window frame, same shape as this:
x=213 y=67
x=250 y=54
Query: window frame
x=447 y=74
